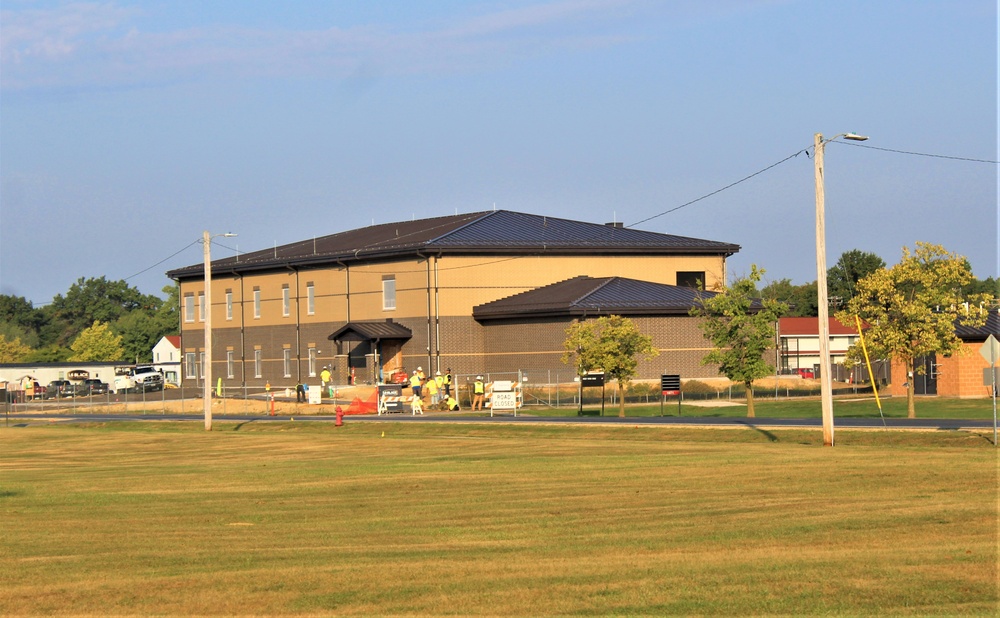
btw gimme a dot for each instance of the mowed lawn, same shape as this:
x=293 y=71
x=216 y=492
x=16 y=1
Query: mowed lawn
x=387 y=518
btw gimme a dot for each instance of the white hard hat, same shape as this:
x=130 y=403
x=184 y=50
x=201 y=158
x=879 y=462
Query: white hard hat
x=420 y=368
x=479 y=377
x=437 y=373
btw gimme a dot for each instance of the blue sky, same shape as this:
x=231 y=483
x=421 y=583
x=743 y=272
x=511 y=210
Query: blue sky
x=128 y=128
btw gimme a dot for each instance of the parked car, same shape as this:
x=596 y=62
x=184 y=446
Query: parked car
x=93 y=386
x=59 y=388
x=805 y=373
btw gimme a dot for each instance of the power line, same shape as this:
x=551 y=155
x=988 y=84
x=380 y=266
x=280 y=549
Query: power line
x=916 y=154
x=707 y=195
x=162 y=261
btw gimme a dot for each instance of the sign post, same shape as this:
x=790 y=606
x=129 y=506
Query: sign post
x=991 y=352
x=592 y=379
x=670 y=384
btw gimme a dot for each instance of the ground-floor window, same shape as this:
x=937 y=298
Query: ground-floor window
x=190 y=365
x=312 y=362
x=287 y=362
x=230 y=364
x=258 y=371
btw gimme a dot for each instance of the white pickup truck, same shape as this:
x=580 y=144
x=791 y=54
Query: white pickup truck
x=139 y=380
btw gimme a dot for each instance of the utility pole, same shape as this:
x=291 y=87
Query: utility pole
x=825 y=379
x=207 y=364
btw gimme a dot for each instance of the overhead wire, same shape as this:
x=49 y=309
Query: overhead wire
x=717 y=191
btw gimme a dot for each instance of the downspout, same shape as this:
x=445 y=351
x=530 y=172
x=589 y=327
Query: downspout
x=347 y=270
x=437 y=315
x=298 y=329
x=430 y=356
x=243 y=335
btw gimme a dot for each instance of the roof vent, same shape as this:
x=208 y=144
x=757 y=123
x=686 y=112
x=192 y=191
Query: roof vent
x=616 y=224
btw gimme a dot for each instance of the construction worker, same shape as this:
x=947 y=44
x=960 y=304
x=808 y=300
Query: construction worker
x=325 y=377
x=447 y=383
x=452 y=404
x=479 y=392
x=432 y=390
x=440 y=381
x=417 y=405
x=415 y=384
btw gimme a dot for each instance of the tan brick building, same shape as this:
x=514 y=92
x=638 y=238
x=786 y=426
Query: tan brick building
x=402 y=295
x=958 y=375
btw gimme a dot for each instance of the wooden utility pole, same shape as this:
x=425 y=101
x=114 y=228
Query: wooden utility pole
x=207 y=308
x=825 y=381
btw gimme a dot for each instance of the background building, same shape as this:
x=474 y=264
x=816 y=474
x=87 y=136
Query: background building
x=403 y=295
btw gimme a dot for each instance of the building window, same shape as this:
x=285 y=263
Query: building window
x=230 y=365
x=229 y=305
x=202 y=372
x=286 y=301
x=258 y=371
x=201 y=307
x=311 y=299
x=189 y=308
x=190 y=365
x=694 y=279
x=389 y=292
x=256 y=303
x=287 y=362
x=312 y=362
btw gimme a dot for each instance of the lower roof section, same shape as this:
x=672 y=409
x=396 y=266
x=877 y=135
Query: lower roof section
x=374 y=330
x=594 y=296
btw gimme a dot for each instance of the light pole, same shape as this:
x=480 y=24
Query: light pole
x=825 y=381
x=207 y=364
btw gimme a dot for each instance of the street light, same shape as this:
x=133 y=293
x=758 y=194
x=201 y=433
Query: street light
x=825 y=381
x=207 y=364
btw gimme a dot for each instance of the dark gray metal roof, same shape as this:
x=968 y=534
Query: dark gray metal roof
x=370 y=331
x=491 y=232
x=592 y=296
x=991 y=327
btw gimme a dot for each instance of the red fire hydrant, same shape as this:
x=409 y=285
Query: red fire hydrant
x=340 y=417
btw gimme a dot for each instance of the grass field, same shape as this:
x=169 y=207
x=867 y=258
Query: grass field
x=387 y=518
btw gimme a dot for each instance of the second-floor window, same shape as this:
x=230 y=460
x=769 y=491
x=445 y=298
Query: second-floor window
x=201 y=307
x=286 y=301
x=229 y=305
x=189 y=308
x=389 y=292
x=256 y=304
x=310 y=299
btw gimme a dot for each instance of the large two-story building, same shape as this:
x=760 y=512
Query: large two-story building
x=430 y=293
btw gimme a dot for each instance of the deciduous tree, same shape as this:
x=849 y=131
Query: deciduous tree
x=13 y=351
x=911 y=309
x=612 y=344
x=853 y=266
x=740 y=326
x=97 y=343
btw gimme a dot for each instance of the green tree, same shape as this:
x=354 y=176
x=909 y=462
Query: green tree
x=741 y=329
x=853 y=266
x=800 y=299
x=90 y=300
x=49 y=354
x=13 y=351
x=911 y=309
x=612 y=344
x=97 y=343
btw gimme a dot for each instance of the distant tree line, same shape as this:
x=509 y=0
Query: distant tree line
x=842 y=285
x=96 y=320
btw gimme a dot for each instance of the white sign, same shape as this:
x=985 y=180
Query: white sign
x=991 y=350
x=502 y=385
x=315 y=394
x=504 y=400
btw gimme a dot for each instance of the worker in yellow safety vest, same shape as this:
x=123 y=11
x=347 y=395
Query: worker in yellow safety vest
x=479 y=392
x=415 y=384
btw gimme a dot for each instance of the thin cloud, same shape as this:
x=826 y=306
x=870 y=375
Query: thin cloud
x=99 y=45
